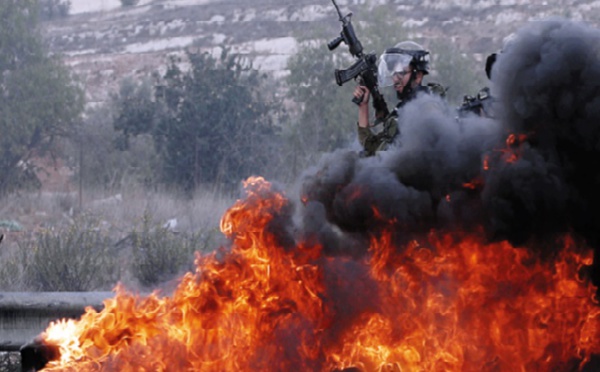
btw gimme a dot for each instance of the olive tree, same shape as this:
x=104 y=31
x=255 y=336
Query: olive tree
x=210 y=121
x=40 y=100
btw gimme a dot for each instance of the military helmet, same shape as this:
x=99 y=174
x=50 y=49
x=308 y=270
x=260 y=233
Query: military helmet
x=491 y=59
x=402 y=56
x=489 y=63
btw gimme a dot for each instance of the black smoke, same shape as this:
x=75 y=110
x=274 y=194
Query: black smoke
x=453 y=175
x=548 y=79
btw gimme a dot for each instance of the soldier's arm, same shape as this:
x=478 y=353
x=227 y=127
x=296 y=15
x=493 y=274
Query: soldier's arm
x=363 y=107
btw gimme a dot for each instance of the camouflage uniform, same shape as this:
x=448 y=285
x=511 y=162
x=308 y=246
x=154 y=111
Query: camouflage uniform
x=381 y=134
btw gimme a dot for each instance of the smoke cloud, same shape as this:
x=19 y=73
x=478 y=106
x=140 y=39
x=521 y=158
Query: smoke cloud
x=526 y=176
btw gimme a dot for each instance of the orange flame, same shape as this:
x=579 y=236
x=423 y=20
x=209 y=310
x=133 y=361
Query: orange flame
x=447 y=302
x=508 y=154
x=512 y=151
x=476 y=183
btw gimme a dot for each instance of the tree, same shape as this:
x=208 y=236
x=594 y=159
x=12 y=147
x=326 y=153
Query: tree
x=51 y=9
x=210 y=123
x=40 y=100
x=102 y=158
x=217 y=127
x=129 y=2
x=326 y=115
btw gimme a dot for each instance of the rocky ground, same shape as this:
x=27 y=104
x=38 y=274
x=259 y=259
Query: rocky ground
x=104 y=42
x=10 y=362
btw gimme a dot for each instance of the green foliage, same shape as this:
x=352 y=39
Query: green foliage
x=77 y=258
x=106 y=158
x=51 y=9
x=211 y=124
x=381 y=26
x=11 y=273
x=218 y=130
x=18 y=41
x=10 y=225
x=136 y=111
x=327 y=118
x=40 y=101
x=159 y=254
x=114 y=244
x=129 y=2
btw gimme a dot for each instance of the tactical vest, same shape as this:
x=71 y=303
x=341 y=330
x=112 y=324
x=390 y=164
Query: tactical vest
x=383 y=131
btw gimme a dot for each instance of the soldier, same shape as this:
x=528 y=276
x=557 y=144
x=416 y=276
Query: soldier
x=482 y=103
x=402 y=67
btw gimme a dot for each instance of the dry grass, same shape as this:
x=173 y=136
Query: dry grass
x=30 y=221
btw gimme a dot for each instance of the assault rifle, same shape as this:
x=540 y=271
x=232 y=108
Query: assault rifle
x=479 y=105
x=364 y=70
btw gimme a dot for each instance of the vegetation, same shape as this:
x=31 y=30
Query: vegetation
x=108 y=244
x=51 y=9
x=326 y=116
x=129 y=2
x=195 y=127
x=159 y=254
x=75 y=258
x=205 y=121
x=102 y=156
x=203 y=125
x=40 y=100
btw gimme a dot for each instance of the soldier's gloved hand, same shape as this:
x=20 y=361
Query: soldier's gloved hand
x=362 y=91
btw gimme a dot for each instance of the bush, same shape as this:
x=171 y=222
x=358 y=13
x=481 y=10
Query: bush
x=41 y=99
x=98 y=161
x=51 y=9
x=160 y=254
x=10 y=274
x=129 y=2
x=77 y=258
x=205 y=121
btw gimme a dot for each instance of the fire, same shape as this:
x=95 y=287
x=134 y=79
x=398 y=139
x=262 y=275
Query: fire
x=272 y=302
x=475 y=184
x=512 y=152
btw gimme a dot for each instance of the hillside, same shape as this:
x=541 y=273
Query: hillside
x=104 y=42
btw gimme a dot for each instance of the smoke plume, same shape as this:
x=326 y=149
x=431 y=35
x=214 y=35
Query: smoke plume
x=526 y=176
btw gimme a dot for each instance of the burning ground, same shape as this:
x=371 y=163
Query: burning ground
x=468 y=247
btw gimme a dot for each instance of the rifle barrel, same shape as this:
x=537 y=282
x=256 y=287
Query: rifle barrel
x=338 y=10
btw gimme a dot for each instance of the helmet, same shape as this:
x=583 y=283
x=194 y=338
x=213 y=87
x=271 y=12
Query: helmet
x=489 y=63
x=491 y=59
x=400 y=57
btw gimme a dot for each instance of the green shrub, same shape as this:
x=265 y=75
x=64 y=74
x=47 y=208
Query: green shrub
x=11 y=274
x=52 y=9
x=160 y=254
x=77 y=258
x=129 y=2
